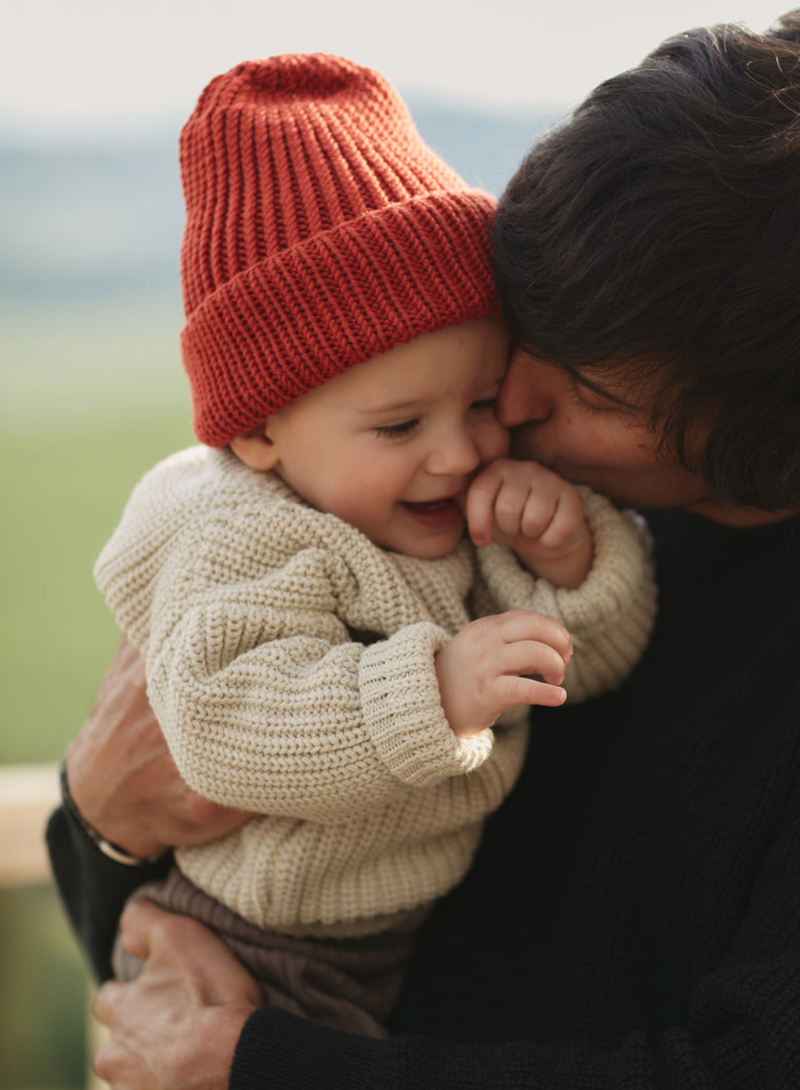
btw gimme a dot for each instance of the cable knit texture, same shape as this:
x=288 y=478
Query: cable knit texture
x=245 y=602
x=320 y=231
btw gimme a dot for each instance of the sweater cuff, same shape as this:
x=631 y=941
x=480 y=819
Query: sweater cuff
x=401 y=701
x=278 y=1051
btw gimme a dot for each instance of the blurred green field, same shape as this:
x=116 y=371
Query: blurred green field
x=43 y=999
x=62 y=493
x=74 y=438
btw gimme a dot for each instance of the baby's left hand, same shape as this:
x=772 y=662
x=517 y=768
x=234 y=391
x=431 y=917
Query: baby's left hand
x=537 y=514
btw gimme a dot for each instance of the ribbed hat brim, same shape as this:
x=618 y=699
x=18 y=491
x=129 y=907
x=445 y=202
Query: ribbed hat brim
x=283 y=326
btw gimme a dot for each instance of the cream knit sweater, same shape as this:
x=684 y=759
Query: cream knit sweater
x=290 y=664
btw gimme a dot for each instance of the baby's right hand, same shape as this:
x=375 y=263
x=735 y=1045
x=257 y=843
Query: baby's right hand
x=481 y=671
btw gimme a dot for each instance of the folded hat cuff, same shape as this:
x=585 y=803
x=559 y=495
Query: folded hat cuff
x=293 y=321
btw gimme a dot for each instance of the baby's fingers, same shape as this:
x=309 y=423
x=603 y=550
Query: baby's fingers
x=481 y=498
x=527 y=624
x=524 y=690
x=567 y=521
x=531 y=657
x=513 y=501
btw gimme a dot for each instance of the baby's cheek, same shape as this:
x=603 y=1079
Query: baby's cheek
x=499 y=443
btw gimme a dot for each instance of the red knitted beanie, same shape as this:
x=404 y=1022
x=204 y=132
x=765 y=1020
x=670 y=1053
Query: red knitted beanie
x=320 y=231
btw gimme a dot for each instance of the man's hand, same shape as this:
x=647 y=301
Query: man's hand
x=123 y=779
x=537 y=514
x=176 y=1026
x=480 y=670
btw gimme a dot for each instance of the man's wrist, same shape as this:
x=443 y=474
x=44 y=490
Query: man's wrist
x=107 y=847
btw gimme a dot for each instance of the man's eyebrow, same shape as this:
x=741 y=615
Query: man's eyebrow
x=600 y=391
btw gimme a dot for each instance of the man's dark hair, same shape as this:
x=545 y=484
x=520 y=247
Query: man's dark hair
x=655 y=237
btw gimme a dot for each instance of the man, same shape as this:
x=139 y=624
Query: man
x=633 y=917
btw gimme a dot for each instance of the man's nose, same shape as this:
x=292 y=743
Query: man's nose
x=523 y=396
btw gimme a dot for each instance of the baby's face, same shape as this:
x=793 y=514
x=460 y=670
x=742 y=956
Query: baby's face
x=391 y=445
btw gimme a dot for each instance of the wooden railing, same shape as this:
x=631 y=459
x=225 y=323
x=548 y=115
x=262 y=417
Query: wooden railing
x=28 y=793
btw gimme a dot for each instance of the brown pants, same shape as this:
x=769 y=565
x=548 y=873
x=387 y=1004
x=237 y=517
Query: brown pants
x=349 y=984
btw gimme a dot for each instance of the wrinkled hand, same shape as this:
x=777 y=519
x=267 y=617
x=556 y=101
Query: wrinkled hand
x=480 y=670
x=537 y=514
x=176 y=1026
x=123 y=779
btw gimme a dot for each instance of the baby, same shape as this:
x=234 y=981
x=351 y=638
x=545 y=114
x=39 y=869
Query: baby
x=324 y=644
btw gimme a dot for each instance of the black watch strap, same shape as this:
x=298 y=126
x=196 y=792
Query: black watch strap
x=113 y=851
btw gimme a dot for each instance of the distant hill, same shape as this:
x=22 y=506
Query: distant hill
x=103 y=221
x=89 y=221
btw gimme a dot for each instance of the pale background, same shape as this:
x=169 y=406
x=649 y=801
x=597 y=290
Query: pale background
x=68 y=65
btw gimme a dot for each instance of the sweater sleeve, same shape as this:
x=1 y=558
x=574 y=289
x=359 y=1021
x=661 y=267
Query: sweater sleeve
x=265 y=717
x=266 y=702
x=741 y=1028
x=610 y=616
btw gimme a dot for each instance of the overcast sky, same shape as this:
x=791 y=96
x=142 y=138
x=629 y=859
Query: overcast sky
x=78 y=66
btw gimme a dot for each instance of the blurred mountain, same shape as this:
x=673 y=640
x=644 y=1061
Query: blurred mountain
x=103 y=221
x=88 y=221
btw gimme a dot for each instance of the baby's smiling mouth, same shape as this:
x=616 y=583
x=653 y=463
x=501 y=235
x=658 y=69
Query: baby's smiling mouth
x=429 y=505
x=439 y=512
